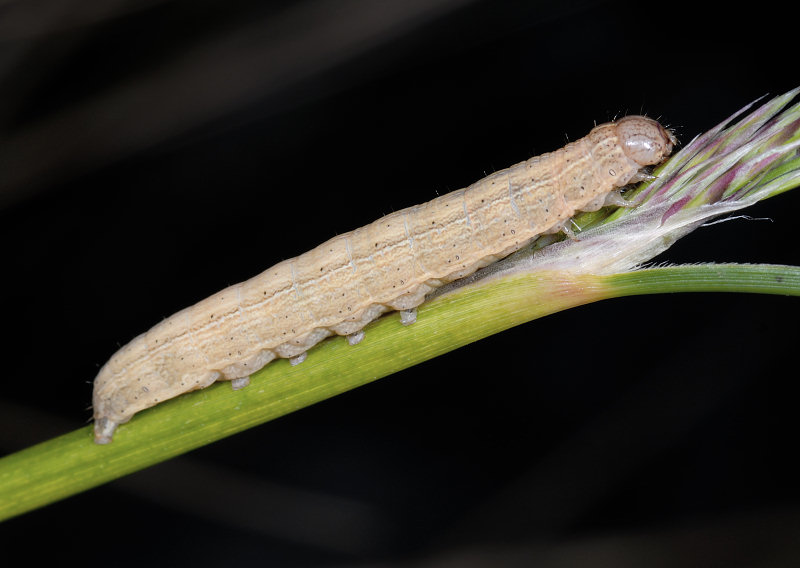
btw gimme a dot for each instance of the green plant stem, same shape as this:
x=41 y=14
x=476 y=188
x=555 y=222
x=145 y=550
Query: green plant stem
x=72 y=463
x=743 y=278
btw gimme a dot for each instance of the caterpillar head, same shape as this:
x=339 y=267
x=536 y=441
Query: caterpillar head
x=644 y=140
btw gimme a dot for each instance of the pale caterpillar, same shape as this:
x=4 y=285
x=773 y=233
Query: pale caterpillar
x=390 y=264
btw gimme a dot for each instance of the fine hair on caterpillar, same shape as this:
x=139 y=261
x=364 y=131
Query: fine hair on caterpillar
x=390 y=264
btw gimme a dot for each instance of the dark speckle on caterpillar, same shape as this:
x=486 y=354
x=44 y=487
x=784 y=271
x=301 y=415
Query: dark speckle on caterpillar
x=390 y=264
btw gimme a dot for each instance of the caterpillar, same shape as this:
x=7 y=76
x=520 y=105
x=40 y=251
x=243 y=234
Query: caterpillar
x=390 y=264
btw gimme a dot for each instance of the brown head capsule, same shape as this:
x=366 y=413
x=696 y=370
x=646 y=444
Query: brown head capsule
x=644 y=140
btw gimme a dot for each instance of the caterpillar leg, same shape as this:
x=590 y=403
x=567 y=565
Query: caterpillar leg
x=615 y=198
x=104 y=430
x=299 y=359
x=407 y=317
x=641 y=175
x=567 y=230
x=355 y=338
x=240 y=383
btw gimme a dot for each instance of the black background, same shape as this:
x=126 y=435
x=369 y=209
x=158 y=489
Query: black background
x=152 y=153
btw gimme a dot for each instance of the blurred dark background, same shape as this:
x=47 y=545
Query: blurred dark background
x=153 y=152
